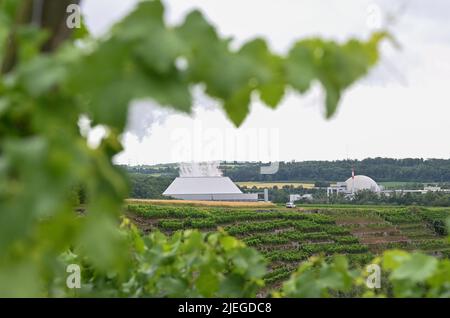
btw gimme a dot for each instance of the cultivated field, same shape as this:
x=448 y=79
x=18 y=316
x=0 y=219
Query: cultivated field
x=288 y=236
x=202 y=203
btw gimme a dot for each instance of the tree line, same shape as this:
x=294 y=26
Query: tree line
x=380 y=169
x=321 y=172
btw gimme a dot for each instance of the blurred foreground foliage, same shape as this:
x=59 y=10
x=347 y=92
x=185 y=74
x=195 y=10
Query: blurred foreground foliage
x=185 y=264
x=402 y=275
x=45 y=157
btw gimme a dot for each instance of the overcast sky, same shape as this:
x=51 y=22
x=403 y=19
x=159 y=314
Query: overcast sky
x=401 y=109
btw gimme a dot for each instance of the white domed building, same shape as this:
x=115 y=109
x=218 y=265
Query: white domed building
x=353 y=185
x=360 y=182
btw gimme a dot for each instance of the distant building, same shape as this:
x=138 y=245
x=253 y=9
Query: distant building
x=353 y=185
x=207 y=188
x=204 y=181
x=425 y=190
x=360 y=182
x=340 y=187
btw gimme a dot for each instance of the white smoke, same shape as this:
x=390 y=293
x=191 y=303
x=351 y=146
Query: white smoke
x=144 y=114
x=200 y=169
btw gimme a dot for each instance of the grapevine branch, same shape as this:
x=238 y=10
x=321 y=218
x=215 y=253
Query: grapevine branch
x=46 y=14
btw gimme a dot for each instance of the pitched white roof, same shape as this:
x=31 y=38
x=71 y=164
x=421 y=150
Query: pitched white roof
x=201 y=185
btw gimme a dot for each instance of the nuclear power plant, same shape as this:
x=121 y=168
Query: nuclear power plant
x=364 y=183
x=354 y=184
x=204 y=181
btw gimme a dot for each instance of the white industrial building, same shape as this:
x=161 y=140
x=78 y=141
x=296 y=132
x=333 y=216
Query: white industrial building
x=360 y=182
x=204 y=181
x=353 y=185
x=207 y=188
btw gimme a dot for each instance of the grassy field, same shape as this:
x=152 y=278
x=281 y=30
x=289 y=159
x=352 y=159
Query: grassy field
x=279 y=184
x=395 y=185
x=287 y=237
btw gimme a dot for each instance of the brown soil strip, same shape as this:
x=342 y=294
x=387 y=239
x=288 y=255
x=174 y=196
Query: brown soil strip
x=382 y=240
x=143 y=223
x=367 y=230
